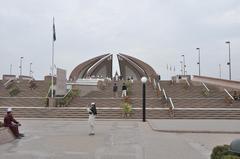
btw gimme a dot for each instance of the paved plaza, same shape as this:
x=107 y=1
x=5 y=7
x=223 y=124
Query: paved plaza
x=114 y=139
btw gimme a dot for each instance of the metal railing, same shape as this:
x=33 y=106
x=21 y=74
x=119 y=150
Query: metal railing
x=164 y=93
x=205 y=86
x=159 y=87
x=171 y=102
x=67 y=93
x=8 y=81
x=187 y=82
x=49 y=90
x=149 y=79
x=154 y=84
x=228 y=94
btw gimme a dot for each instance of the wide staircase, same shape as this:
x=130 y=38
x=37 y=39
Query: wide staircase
x=188 y=102
x=110 y=107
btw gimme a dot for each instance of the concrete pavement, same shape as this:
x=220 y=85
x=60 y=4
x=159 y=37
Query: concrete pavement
x=128 y=139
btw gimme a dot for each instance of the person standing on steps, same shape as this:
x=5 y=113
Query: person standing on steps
x=92 y=112
x=132 y=79
x=115 y=90
x=124 y=90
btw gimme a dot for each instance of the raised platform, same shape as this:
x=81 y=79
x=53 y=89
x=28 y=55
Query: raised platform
x=6 y=135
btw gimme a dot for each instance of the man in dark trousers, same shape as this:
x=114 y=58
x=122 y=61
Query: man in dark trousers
x=13 y=125
x=115 y=90
x=124 y=90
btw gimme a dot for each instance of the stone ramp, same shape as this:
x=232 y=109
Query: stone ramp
x=22 y=102
x=180 y=90
x=41 y=89
x=3 y=90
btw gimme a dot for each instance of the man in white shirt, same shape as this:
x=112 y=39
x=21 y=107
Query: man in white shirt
x=92 y=111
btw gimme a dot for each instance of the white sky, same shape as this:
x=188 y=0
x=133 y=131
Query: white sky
x=155 y=31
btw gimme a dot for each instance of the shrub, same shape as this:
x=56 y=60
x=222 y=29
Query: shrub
x=68 y=98
x=222 y=152
x=230 y=157
x=14 y=91
x=127 y=99
x=127 y=109
x=205 y=92
x=32 y=85
x=219 y=151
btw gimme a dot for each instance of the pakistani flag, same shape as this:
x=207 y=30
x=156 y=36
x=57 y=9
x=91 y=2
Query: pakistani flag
x=54 y=32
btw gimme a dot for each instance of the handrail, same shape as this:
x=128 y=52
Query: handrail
x=164 y=93
x=205 y=87
x=229 y=94
x=150 y=81
x=187 y=82
x=49 y=89
x=67 y=93
x=172 y=105
x=159 y=87
x=154 y=84
x=8 y=81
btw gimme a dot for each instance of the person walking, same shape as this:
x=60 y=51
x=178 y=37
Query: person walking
x=115 y=90
x=124 y=90
x=92 y=112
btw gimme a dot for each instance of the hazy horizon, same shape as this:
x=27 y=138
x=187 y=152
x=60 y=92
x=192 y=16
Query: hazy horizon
x=157 y=32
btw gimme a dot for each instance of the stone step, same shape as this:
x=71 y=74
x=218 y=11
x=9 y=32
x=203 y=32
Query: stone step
x=82 y=113
x=203 y=103
x=207 y=114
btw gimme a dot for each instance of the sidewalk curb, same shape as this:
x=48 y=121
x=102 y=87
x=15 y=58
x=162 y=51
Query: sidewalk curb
x=193 y=131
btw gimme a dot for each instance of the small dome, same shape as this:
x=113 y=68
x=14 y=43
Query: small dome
x=235 y=146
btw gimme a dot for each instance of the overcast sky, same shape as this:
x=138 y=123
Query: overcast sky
x=155 y=31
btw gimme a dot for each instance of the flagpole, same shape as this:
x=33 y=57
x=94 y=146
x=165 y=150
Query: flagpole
x=52 y=58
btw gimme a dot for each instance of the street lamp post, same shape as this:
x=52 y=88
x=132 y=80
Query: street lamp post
x=144 y=80
x=229 y=62
x=20 y=67
x=30 y=70
x=184 y=65
x=199 y=64
x=220 y=71
x=181 y=67
x=10 y=69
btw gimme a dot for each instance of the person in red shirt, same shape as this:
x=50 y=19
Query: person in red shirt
x=12 y=124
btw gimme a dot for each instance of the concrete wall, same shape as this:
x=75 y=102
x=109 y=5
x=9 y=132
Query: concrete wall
x=6 y=135
x=84 y=89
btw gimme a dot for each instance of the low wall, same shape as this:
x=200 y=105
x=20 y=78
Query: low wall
x=6 y=135
x=228 y=84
